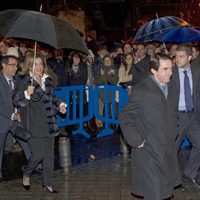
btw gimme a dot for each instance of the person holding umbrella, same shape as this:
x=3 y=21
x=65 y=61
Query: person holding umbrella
x=34 y=96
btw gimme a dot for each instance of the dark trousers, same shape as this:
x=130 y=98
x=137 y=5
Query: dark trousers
x=190 y=128
x=42 y=150
x=9 y=143
x=2 y=142
x=24 y=146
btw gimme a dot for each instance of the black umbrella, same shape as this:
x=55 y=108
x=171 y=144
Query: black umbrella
x=146 y=33
x=40 y=27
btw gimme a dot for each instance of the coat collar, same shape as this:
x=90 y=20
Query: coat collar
x=155 y=87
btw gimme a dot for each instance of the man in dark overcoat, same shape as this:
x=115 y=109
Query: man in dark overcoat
x=148 y=123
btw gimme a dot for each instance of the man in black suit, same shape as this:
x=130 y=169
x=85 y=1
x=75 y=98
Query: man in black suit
x=148 y=123
x=8 y=114
x=7 y=111
x=188 y=98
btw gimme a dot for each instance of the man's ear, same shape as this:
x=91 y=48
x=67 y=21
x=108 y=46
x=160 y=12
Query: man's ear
x=153 y=71
x=3 y=65
x=190 y=58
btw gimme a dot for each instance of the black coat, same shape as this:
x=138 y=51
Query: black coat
x=39 y=117
x=149 y=116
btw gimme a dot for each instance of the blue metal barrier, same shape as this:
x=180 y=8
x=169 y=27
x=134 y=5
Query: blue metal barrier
x=79 y=110
x=75 y=97
x=185 y=143
x=113 y=98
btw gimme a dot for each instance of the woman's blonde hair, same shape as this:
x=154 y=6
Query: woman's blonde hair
x=29 y=61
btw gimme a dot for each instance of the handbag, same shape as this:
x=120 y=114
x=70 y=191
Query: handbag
x=18 y=130
x=21 y=133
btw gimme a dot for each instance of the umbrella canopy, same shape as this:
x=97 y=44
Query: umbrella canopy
x=179 y=35
x=146 y=32
x=40 y=27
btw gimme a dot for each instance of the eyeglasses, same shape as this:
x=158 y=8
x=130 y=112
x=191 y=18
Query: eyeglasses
x=12 y=64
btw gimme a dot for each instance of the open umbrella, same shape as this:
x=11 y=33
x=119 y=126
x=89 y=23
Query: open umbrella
x=40 y=27
x=147 y=32
x=178 y=35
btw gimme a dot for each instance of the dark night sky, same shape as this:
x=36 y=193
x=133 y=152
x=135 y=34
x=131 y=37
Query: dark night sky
x=21 y=4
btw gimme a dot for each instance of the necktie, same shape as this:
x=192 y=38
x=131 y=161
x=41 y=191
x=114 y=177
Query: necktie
x=164 y=89
x=10 y=85
x=188 y=94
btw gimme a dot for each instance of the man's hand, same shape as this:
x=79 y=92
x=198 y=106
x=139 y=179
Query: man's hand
x=63 y=109
x=30 y=90
x=142 y=145
x=17 y=117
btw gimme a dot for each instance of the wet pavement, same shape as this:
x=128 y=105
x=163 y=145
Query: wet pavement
x=104 y=177
x=83 y=150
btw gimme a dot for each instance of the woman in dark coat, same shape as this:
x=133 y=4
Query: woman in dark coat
x=37 y=104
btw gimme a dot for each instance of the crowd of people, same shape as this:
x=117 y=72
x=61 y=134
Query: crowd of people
x=154 y=122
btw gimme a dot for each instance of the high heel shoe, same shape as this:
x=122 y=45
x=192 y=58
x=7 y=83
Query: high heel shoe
x=47 y=189
x=26 y=186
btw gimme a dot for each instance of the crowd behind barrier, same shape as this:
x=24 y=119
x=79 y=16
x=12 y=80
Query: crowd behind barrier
x=83 y=104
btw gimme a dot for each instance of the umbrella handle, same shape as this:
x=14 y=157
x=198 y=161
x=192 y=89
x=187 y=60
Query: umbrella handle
x=41 y=7
x=157 y=15
x=165 y=48
x=34 y=58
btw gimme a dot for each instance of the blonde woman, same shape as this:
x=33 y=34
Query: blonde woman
x=34 y=96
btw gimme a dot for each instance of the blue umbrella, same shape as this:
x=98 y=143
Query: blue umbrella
x=178 y=35
x=146 y=33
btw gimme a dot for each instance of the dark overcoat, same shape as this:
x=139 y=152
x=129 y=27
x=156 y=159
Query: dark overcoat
x=39 y=117
x=149 y=116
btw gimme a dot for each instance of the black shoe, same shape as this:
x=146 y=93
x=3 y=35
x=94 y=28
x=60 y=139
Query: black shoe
x=169 y=198
x=26 y=187
x=192 y=181
x=48 y=190
x=137 y=196
x=181 y=187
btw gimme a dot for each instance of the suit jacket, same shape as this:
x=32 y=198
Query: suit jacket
x=149 y=116
x=6 y=105
x=196 y=86
x=196 y=62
